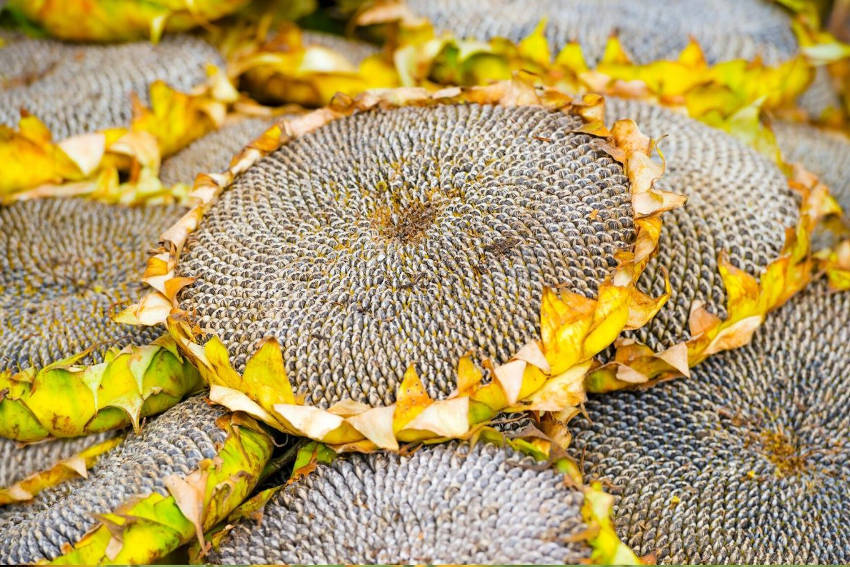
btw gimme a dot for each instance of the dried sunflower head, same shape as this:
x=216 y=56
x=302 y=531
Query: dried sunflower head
x=739 y=204
x=745 y=462
x=389 y=237
x=151 y=476
x=76 y=89
x=69 y=265
x=660 y=30
x=407 y=236
x=443 y=503
x=824 y=152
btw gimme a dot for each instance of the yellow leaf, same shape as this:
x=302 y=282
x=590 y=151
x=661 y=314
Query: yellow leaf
x=66 y=469
x=532 y=380
x=701 y=320
x=509 y=376
x=219 y=370
x=565 y=390
x=443 y=418
x=468 y=375
x=609 y=318
x=235 y=400
x=734 y=336
x=677 y=357
x=533 y=354
x=614 y=52
x=535 y=47
x=265 y=376
x=692 y=55
x=308 y=421
x=411 y=399
x=175 y=119
x=377 y=426
x=571 y=57
x=31 y=158
x=565 y=319
x=492 y=396
x=188 y=493
x=86 y=150
x=742 y=290
x=607 y=547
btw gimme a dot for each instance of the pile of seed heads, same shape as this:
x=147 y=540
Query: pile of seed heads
x=418 y=235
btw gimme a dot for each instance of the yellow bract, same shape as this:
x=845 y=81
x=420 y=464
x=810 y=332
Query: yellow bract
x=287 y=68
x=423 y=57
x=31 y=158
x=724 y=94
x=607 y=547
x=127 y=385
x=835 y=262
x=175 y=119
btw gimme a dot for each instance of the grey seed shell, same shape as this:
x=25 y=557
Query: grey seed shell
x=65 y=266
x=20 y=461
x=407 y=236
x=213 y=152
x=716 y=442
x=445 y=503
x=79 y=88
x=173 y=443
x=820 y=96
x=824 y=152
x=738 y=202
x=354 y=51
x=649 y=31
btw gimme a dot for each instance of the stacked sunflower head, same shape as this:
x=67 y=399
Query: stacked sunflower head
x=533 y=283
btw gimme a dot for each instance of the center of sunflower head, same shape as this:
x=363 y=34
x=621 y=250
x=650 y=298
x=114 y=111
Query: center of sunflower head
x=59 y=277
x=781 y=450
x=405 y=223
x=789 y=453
